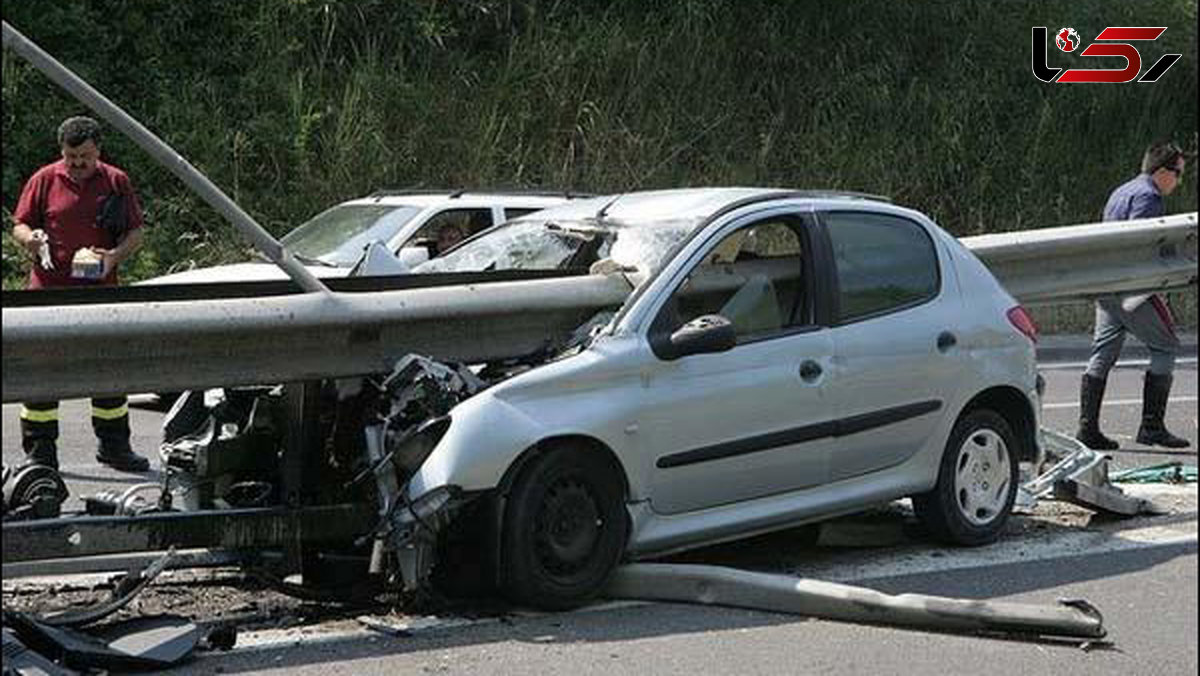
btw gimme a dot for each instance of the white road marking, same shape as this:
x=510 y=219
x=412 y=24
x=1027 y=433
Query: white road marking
x=1068 y=365
x=1114 y=402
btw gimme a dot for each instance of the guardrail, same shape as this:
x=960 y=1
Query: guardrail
x=1087 y=261
x=57 y=352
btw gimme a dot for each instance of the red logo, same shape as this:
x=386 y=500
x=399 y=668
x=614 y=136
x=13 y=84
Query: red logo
x=1112 y=41
x=1067 y=39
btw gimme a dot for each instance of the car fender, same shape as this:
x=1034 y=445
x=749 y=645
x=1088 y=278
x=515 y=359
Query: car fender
x=587 y=396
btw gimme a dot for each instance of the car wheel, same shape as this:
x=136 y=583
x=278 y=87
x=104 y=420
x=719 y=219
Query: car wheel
x=977 y=481
x=564 y=529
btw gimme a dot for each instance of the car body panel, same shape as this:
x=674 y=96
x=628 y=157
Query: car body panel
x=724 y=445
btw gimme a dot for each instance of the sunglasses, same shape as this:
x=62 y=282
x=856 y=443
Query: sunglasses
x=1178 y=171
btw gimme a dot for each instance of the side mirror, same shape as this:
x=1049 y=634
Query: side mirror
x=412 y=256
x=703 y=335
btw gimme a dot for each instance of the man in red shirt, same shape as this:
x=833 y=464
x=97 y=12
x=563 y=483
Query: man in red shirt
x=78 y=218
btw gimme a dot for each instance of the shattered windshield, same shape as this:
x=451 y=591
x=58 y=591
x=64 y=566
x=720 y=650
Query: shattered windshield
x=338 y=235
x=553 y=245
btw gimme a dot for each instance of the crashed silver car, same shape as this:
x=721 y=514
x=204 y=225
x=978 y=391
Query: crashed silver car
x=782 y=358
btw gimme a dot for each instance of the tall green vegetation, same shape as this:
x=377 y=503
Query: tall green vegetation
x=294 y=105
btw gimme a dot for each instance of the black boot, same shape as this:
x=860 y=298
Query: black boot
x=122 y=458
x=42 y=452
x=1091 y=394
x=1156 y=389
x=113 y=433
x=39 y=437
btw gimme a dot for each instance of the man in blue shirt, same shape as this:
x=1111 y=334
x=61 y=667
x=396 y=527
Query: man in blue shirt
x=1145 y=316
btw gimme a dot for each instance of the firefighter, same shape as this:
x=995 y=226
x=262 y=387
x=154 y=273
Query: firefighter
x=78 y=218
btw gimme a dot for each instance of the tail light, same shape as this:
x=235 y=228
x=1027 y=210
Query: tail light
x=1021 y=321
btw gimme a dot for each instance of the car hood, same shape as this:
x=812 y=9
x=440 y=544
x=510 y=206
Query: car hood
x=240 y=272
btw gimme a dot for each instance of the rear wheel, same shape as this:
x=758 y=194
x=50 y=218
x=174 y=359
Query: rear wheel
x=977 y=481
x=564 y=529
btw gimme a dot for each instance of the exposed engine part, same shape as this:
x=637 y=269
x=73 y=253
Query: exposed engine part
x=33 y=492
x=221 y=447
x=404 y=422
x=130 y=502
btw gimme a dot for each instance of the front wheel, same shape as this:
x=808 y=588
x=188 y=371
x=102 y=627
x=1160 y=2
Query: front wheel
x=564 y=529
x=977 y=482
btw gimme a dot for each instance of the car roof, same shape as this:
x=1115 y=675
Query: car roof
x=462 y=198
x=683 y=204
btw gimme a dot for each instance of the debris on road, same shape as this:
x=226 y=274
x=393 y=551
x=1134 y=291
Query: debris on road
x=1079 y=475
x=715 y=585
x=1166 y=473
x=126 y=588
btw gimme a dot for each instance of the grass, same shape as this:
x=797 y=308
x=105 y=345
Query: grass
x=293 y=106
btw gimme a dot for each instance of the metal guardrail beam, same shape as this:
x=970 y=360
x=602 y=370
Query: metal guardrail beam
x=59 y=352
x=1086 y=261
x=56 y=352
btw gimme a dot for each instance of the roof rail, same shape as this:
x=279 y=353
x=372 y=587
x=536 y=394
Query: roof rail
x=848 y=194
x=459 y=192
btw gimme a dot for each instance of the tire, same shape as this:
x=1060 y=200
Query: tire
x=977 y=482
x=564 y=529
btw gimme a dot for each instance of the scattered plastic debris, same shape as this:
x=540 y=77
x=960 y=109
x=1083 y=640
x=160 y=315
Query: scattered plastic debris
x=1166 y=473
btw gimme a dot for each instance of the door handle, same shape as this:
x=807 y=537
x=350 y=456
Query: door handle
x=946 y=340
x=809 y=370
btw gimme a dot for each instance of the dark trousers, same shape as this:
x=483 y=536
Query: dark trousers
x=110 y=422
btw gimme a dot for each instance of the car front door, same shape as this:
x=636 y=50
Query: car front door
x=895 y=348
x=748 y=422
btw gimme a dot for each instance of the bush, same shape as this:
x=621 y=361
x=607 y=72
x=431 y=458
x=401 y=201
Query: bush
x=292 y=106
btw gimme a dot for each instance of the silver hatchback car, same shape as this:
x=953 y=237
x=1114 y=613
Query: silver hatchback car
x=782 y=358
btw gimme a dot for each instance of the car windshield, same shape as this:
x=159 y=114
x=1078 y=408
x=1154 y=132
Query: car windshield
x=338 y=235
x=551 y=245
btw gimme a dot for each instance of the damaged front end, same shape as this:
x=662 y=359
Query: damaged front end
x=225 y=449
x=406 y=415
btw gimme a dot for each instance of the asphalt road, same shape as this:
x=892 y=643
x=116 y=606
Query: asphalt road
x=1141 y=573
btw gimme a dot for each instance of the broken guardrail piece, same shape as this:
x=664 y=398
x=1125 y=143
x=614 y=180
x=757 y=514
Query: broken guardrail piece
x=716 y=585
x=1080 y=476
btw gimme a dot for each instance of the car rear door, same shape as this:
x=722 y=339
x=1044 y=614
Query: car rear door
x=896 y=360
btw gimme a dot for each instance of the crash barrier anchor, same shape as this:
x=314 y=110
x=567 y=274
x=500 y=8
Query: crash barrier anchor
x=1079 y=475
x=716 y=585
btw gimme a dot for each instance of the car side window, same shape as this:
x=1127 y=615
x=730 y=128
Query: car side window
x=883 y=263
x=754 y=277
x=447 y=228
x=517 y=212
